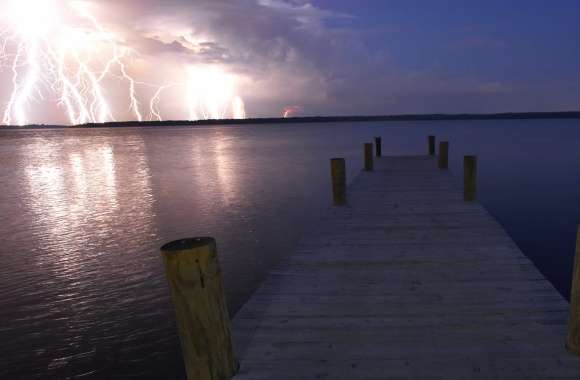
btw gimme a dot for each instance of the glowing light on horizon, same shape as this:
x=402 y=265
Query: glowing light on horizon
x=238 y=108
x=58 y=53
x=212 y=94
x=291 y=111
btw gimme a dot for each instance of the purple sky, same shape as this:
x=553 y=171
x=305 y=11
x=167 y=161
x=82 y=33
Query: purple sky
x=331 y=57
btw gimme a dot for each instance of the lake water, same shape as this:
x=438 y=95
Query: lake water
x=84 y=212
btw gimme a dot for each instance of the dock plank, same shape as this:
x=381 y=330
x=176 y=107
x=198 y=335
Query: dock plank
x=406 y=282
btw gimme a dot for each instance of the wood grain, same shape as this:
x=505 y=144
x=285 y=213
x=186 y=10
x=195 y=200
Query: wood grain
x=406 y=282
x=470 y=178
x=194 y=277
x=573 y=341
x=338 y=176
x=443 y=161
x=368 y=157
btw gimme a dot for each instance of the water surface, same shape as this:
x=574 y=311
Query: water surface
x=84 y=212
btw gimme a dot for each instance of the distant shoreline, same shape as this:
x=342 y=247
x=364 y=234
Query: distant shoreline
x=319 y=119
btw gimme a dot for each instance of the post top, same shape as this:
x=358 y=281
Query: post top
x=188 y=243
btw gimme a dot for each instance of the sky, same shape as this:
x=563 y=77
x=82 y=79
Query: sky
x=70 y=61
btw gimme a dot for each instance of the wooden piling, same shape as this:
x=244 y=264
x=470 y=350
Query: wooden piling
x=469 y=178
x=431 y=140
x=194 y=276
x=443 y=155
x=369 y=157
x=378 y=146
x=338 y=175
x=573 y=341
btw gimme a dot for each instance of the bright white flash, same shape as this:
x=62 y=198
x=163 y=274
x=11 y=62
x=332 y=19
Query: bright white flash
x=212 y=94
x=32 y=18
x=56 y=51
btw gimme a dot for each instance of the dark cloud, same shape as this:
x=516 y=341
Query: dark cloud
x=293 y=53
x=309 y=56
x=285 y=49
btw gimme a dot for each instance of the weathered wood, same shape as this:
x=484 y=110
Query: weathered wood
x=469 y=178
x=431 y=141
x=338 y=175
x=194 y=276
x=407 y=282
x=573 y=341
x=443 y=161
x=378 y=146
x=368 y=150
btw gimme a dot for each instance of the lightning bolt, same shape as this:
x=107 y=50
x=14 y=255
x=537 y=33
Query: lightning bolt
x=58 y=48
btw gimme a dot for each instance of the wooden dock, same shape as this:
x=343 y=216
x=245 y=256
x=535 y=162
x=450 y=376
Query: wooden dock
x=407 y=281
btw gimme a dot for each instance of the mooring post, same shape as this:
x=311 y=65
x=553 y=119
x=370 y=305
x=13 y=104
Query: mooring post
x=378 y=146
x=573 y=341
x=431 y=145
x=194 y=276
x=369 y=157
x=443 y=155
x=469 y=178
x=338 y=175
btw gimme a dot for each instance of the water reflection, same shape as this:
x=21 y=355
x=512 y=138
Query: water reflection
x=224 y=162
x=84 y=212
x=82 y=202
x=74 y=192
x=60 y=196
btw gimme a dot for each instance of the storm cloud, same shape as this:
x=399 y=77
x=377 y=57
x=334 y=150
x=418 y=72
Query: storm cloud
x=349 y=57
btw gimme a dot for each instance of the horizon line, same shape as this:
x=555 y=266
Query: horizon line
x=315 y=119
